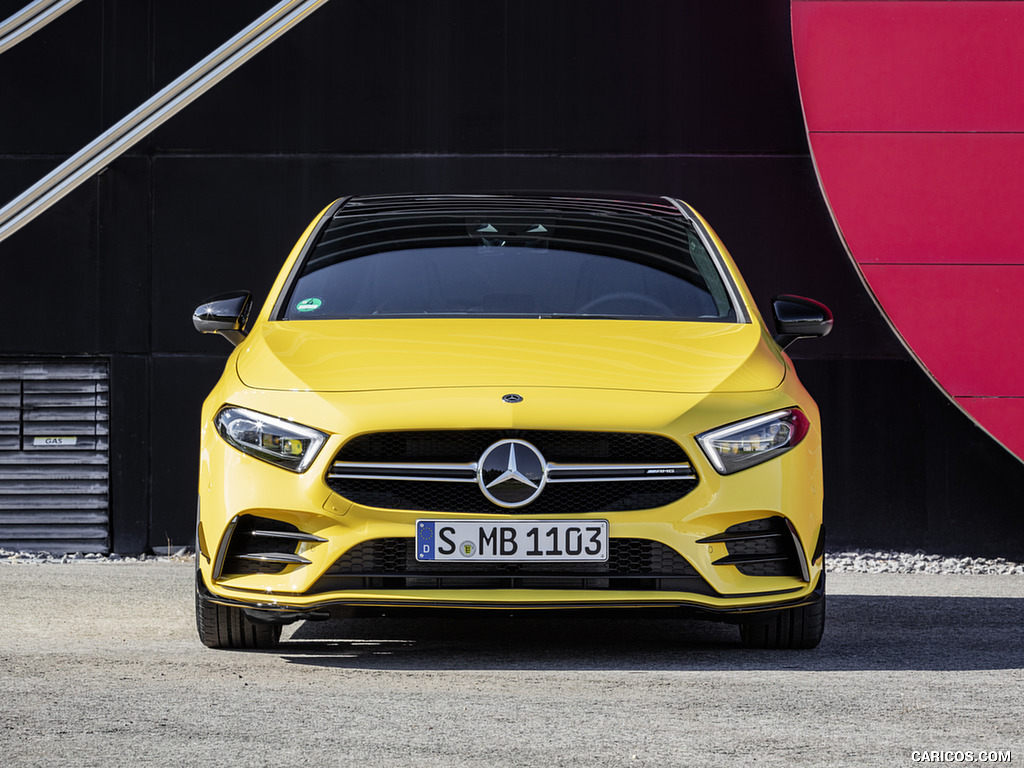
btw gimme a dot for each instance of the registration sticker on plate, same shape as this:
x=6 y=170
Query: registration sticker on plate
x=512 y=540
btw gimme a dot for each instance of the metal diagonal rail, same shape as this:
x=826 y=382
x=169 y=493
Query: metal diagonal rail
x=92 y=158
x=30 y=20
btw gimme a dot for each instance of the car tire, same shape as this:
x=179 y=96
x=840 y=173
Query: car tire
x=789 y=628
x=223 y=626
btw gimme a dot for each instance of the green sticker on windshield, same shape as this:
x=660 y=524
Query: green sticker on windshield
x=308 y=305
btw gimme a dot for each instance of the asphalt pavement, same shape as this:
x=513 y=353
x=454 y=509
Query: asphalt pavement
x=100 y=665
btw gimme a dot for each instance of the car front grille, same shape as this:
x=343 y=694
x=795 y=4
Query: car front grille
x=633 y=564
x=436 y=471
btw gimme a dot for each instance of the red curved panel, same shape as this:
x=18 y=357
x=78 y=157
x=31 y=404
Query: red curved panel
x=1003 y=415
x=958 y=319
x=926 y=198
x=910 y=66
x=916 y=126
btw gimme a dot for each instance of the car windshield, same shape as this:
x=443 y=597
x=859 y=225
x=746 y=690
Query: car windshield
x=509 y=265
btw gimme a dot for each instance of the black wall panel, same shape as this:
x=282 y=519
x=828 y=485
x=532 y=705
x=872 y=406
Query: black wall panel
x=464 y=76
x=124 y=256
x=682 y=97
x=905 y=468
x=125 y=46
x=51 y=278
x=51 y=85
x=177 y=389
x=130 y=460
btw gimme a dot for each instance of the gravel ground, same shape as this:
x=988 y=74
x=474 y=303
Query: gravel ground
x=873 y=561
x=100 y=665
x=846 y=561
x=10 y=557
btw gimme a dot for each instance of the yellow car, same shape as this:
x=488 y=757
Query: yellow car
x=509 y=402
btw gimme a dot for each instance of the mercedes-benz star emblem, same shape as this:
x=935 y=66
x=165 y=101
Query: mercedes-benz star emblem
x=512 y=398
x=511 y=473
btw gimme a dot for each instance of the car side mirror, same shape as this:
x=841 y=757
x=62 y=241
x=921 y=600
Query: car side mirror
x=225 y=315
x=799 y=318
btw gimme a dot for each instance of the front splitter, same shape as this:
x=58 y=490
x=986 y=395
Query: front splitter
x=284 y=613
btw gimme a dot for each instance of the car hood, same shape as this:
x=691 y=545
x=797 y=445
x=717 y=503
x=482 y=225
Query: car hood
x=390 y=354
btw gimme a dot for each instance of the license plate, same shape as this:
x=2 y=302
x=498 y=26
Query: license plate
x=512 y=541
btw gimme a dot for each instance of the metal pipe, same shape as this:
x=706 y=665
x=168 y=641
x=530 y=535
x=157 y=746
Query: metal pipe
x=30 y=20
x=140 y=123
x=13 y=22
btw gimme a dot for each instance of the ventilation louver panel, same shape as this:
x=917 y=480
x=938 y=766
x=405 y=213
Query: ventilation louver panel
x=54 y=443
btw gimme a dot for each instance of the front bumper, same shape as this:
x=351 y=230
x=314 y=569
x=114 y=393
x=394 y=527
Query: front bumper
x=282 y=611
x=234 y=486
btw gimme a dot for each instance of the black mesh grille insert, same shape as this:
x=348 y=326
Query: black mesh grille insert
x=632 y=564
x=770 y=548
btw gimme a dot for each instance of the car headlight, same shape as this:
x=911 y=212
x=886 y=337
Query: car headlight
x=753 y=441
x=283 y=443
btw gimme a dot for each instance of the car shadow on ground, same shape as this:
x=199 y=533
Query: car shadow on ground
x=862 y=633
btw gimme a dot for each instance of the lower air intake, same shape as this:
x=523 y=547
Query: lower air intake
x=633 y=564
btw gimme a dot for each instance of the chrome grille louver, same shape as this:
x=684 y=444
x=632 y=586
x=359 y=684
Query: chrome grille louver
x=260 y=545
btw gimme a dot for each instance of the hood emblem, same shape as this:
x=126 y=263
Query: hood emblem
x=511 y=473
x=512 y=398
